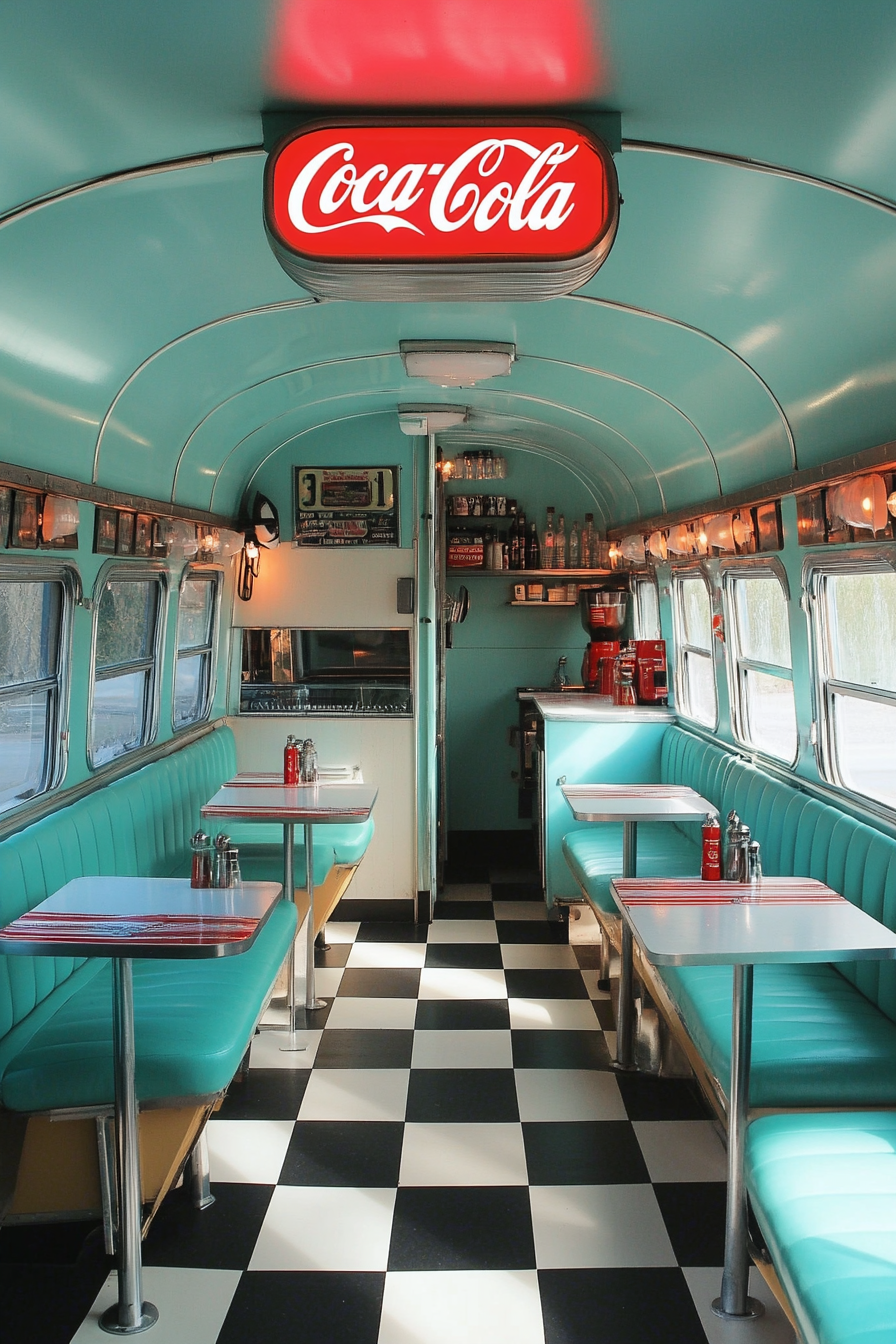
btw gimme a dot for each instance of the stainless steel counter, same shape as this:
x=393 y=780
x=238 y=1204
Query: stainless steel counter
x=572 y=707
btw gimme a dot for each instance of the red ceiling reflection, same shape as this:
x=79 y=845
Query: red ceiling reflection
x=420 y=53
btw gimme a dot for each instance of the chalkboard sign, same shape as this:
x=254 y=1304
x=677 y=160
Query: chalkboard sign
x=346 y=506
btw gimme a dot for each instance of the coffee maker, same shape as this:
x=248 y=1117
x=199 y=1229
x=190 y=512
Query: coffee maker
x=603 y=612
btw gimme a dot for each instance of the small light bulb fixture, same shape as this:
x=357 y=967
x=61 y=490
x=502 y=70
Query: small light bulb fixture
x=251 y=548
x=657 y=546
x=631 y=548
x=719 y=531
x=742 y=529
x=861 y=502
x=59 y=517
x=457 y=363
x=681 y=540
x=891 y=504
x=702 y=541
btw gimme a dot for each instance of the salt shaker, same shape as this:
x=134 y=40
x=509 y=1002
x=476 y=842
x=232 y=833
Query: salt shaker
x=309 y=773
x=222 y=844
x=201 y=867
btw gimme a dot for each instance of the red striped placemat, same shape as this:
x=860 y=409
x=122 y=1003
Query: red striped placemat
x=629 y=791
x=48 y=927
x=767 y=891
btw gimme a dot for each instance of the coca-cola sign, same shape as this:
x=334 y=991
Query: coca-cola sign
x=442 y=211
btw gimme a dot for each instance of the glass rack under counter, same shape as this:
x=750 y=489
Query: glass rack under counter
x=313 y=673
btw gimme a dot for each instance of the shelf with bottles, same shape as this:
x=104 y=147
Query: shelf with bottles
x=502 y=540
x=532 y=573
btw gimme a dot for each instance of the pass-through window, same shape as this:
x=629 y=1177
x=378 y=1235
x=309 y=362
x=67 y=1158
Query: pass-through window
x=695 y=685
x=127 y=651
x=762 y=701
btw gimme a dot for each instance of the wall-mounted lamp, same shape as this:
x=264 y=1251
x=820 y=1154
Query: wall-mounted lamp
x=681 y=540
x=719 y=531
x=742 y=529
x=632 y=548
x=59 y=518
x=861 y=502
x=457 y=363
x=657 y=546
x=248 y=571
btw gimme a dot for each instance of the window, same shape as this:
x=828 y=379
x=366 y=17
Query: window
x=854 y=628
x=762 y=703
x=694 y=677
x=647 y=610
x=35 y=625
x=128 y=637
x=197 y=628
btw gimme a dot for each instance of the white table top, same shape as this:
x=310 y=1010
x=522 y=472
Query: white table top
x=585 y=707
x=635 y=802
x=686 y=922
x=142 y=917
x=273 y=779
x=320 y=804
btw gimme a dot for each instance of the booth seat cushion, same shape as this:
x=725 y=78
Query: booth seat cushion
x=816 y=1040
x=823 y=1189
x=193 y=1022
x=595 y=856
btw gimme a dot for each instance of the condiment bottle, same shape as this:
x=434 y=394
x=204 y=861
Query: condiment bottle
x=201 y=867
x=309 y=773
x=711 y=866
x=222 y=845
x=291 y=761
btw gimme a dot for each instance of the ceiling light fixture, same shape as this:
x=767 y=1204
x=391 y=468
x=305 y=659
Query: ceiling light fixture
x=457 y=363
x=421 y=420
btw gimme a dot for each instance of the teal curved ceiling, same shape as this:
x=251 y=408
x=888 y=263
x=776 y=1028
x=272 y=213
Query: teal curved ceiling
x=743 y=325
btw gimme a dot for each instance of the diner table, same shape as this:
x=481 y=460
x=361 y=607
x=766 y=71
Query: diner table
x=124 y=918
x=265 y=798
x=688 y=922
x=631 y=803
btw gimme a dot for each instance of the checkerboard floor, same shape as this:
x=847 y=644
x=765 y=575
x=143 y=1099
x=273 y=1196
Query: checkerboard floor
x=450 y=1159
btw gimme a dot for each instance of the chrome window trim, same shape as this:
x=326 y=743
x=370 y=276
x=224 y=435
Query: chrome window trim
x=689 y=574
x=737 y=665
x=115 y=570
x=30 y=570
x=640 y=582
x=215 y=573
x=817 y=566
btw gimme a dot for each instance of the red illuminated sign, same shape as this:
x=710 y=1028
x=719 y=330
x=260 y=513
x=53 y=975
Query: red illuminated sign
x=470 y=202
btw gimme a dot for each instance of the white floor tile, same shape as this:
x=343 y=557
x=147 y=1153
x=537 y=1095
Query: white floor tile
x=538 y=957
x=266 y=1052
x=248 y=1150
x=325 y=1228
x=553 y=1015
x=598 y=1227
x=462 y=984
x=356 y=1094
x=326 y=981
x=682 y=1150
x=610 y=1038
x=568 y=1094
x=534 y=910
x=456 y=1154
x=192 y=1304
x=463 y=931
x=342 y=931
x=462 y=1307
x=591 y=978
x=772 y=1328
x=375 y=1014
x=377 y=955
x=462 y=1050
x=466 y=891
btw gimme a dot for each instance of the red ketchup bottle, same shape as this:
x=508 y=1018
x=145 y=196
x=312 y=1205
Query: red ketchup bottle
x=291 y=761
x=711 y=867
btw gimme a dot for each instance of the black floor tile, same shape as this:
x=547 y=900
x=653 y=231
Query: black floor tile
x=532 y=931
x=267 y=1094
x=694 y=1213
x=648 y=1098
x=344 y=1048
x=471 y=1227
x=583 y=1152
x=463 y=910
x=460 y=871
x=309 y=1019
x=390 y=983
x=466 y=956
x=222 y=1236
x=560 y=1050
x=49 y=1243
x=545 y=985
x=462 y=1015
x=604 y=1010
x=305 y=1308
x=587 y=955
x=45 y=1304
x=337 y=954
x=384 y=931
x=344 y=1152
x=618 y=1306
x=517 y=891
x=462 y=1095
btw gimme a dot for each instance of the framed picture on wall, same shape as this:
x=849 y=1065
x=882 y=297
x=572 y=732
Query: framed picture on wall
x=125 y=542
x=105 y=531
x=25 y=514
x=5 y=512
x=346 y=506
x=143 y=534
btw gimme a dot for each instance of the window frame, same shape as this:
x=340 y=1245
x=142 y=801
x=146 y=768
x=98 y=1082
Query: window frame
x=215 y=575
x=691 y=574
x=738 y=664
x=118 y=572
x=640 y=583
x=816 y=569
x=58 y=736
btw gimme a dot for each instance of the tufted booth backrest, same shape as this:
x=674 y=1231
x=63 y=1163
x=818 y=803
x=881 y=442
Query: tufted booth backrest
x=138 y=825
x=800 y=837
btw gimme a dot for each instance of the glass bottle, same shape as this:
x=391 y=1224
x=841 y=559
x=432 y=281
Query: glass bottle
x=574 y=547
x=513 y=536
x=533 y=550
x=524 y=559
x=547 y=545
x=588 y=542
x=560 y=545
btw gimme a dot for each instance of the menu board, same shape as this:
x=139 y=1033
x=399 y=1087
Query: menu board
x=346 y=506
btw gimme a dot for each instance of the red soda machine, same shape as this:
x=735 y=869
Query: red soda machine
x=651 y=682
x=603 y=612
